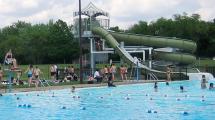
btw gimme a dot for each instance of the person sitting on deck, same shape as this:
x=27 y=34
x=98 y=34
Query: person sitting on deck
x=8 y=57
x=14 y=64
x=90 y=79
x=97 y=76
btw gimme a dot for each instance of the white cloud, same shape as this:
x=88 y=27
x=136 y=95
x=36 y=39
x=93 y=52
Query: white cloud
x=123 y=13
x=207 y=9
x=29 y=3
x=6 y=7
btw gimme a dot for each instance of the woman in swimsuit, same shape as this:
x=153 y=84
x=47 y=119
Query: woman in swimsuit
x=29 y=72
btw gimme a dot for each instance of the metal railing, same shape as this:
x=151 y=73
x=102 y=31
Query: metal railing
x=151 y=76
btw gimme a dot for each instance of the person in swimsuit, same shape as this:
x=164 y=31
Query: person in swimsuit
x=14 y=64
x=36 y=75
x=122 y=71
x=156 y=86
x=29 y=72
x=168 y=73
x=110 y=81
x=8 y=57
x=203 y=82
x=211 y=86
x=113 y=71
x=125 y=72
x=106 y=72
x=53 y=72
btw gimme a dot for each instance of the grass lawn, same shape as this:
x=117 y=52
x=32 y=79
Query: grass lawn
x=46 y=72
x=45 y=68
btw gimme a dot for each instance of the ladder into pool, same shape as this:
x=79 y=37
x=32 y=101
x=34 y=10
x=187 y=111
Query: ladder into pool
x=151 y=76
x=44 y=83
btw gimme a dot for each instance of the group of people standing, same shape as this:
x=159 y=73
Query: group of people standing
x=33 y=75
x=112 y=70
x=109 y=73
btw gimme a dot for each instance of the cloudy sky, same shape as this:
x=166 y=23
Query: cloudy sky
x=123 y=13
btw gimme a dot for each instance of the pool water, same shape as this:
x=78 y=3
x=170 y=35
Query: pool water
x=125 y=102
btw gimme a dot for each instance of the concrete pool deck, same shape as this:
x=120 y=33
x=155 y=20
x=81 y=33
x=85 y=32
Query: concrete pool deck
x=15 y=90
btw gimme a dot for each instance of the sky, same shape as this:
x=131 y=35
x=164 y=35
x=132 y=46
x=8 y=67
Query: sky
x=123 y=13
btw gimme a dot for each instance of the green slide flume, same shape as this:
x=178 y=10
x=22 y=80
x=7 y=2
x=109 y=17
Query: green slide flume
x=112 y=38
x=121 y=51
x=160 y=42
x=155 y=41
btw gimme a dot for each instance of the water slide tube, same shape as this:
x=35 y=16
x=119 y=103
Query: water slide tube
x=121 y=51
x=159 y=42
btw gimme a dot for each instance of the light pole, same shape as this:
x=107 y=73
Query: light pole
x=80 y=44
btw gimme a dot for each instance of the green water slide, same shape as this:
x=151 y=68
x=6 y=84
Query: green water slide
x=112 y=38
x=155 y=41
x=121 y=51
x=184 y=45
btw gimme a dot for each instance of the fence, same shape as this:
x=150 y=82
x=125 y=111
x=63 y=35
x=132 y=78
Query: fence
x=182 y=75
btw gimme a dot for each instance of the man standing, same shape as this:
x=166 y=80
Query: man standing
x=53 y=72
x=36 y=74
x=168 y=73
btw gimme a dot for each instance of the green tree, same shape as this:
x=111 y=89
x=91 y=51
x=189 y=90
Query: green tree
x=61 y=45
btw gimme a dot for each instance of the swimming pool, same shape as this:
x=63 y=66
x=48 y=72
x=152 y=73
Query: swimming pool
x=125 y=102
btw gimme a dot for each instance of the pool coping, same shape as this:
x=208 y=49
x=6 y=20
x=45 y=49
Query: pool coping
x=15 y=90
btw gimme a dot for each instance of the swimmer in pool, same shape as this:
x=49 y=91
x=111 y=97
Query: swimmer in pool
x=182 y=88
x=211 y=86
x=203 y=82
x=167 y=83
x=156 y=87
x=110 y=81
x=73 y=89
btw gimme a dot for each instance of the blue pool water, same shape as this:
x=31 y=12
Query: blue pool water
x=125 y=102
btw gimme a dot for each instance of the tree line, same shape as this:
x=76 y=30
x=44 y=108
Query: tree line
x=181 y=26
x=40 y=43
x=54 y=42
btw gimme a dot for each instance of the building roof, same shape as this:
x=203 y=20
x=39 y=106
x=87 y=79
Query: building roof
x=92 y=11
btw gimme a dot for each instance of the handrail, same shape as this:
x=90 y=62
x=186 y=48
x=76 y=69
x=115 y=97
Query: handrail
x=197 y=70
x=152 y=75
x=43 y=81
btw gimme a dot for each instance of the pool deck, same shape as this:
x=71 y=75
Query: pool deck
x=79 y=86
